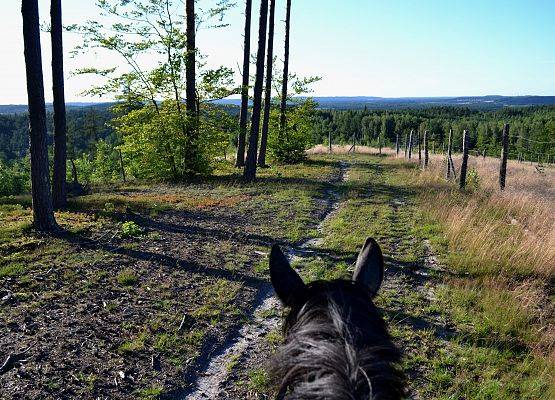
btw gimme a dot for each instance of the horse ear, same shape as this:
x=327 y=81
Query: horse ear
x=286 y=282
x=370 y=266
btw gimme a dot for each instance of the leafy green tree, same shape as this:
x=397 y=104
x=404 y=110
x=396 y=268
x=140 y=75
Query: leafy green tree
x=154 y=32
x=301 y=124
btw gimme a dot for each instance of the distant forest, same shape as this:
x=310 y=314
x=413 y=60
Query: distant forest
x=86 y=126
x=532 y=129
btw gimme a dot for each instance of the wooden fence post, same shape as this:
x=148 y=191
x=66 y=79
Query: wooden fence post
x=410 y=143
x=426 y=155
x=419 y=149
x=449 y=147
x=464 y=166
x=397 y=144
x=504 y=155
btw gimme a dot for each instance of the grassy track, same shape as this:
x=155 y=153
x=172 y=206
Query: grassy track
x=149 y=281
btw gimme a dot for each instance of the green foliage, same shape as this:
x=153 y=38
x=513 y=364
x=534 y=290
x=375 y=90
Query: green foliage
x=156 y=144
x=161 y=139
x=127 y=277
x=106 y=164
x=473 y=178
x=85 y=169
x=131 y=229
x=289 y=147
x=14 y=178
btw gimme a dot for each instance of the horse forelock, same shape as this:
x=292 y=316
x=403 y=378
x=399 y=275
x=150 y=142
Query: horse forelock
x=337 y=347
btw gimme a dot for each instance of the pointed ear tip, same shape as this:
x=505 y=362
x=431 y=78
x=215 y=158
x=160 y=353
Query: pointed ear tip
x=276 y=250
x=369 y=240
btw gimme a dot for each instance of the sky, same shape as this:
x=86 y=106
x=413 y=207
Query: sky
x=385 y=48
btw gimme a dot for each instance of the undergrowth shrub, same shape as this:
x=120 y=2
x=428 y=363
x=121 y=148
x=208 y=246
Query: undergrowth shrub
x=290 y=147
x=14 y=179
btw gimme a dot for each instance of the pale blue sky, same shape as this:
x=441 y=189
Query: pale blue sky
x=360 y=47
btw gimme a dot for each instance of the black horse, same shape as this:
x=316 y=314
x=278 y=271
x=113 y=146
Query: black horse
x=337 y=346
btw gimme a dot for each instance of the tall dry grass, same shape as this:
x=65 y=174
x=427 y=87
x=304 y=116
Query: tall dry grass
x=502 y=241
x=344 y=149
x=513 y=229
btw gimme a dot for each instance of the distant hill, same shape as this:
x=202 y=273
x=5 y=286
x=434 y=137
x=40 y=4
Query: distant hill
x=381 y=103
x=22 y=108
x=372 y=103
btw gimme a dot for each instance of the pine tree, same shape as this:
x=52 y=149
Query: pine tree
x=250 y=166
x=243 y=118
x=59 y=191
x=268 y=94
x=43 y=215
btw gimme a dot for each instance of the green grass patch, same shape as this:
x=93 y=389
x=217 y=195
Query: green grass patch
x=127 y=277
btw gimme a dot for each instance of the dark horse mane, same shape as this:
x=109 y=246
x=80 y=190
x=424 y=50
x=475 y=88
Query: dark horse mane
x=337 y=347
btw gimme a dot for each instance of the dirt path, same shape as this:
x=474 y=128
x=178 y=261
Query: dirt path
x=408 y=297
x=218 y=379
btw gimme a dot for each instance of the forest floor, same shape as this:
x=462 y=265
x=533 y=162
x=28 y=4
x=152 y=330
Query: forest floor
x=163 y=291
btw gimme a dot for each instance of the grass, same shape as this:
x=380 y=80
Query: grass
x=495 y=293
x=210 y=240
x=127 y=277
x=11 y=270
x=497 y=249
x=259 y=381
x=501 y=248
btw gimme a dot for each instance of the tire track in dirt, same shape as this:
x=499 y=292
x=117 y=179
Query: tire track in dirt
x=210 y=384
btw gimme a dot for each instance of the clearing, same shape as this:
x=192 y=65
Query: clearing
x=162 y=291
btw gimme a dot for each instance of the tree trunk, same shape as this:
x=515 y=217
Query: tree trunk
x=43 y=216
x=249 y=172
x=268 y=98
x=397 y=144
x=240 y=159
x=122 y=167
x=283 y=108
x=59 y=190
x=190 y=84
